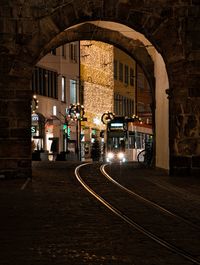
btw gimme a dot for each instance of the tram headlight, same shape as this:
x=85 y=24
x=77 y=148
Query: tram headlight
x=121 y=156
x=110 y=155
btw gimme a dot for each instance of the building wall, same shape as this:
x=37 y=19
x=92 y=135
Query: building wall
x=97 y=79
x=66 y=67
x=144 y=97
x=112 y=83
x=124 y=89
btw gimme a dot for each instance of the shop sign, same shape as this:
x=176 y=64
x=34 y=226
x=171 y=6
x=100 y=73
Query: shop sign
x=33 y=129
x=35 y=117
x=67 y=130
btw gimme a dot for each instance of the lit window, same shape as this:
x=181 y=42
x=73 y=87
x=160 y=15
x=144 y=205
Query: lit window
x=63 y=89
x=54 y=110
x=73 y=92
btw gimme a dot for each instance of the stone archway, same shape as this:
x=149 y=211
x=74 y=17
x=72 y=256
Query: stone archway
x=87 y=31
x=141 y=50
x=28 y=28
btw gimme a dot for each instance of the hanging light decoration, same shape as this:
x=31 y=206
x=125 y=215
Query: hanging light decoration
x=107 y=117
x=135 y=118
x=34 y=104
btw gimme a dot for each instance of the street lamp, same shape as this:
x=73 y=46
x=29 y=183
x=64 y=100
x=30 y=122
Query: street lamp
x=76 y=112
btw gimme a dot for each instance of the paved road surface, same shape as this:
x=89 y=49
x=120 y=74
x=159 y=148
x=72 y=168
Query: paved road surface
x=53 y=220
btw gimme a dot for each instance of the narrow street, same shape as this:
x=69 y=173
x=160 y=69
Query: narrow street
x=51 y=219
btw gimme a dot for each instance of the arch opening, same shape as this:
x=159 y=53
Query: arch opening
x=145 y=54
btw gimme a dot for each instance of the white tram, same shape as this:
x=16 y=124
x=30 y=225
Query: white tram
x=125 y=138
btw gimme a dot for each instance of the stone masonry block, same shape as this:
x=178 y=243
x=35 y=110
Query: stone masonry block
x=21 y=133
x=15 y=148
x=24 y=163
x=196 y=161
x=19 y=109
x=8 y=163
x=4 y=123
x=4 y=133
x=181 y=161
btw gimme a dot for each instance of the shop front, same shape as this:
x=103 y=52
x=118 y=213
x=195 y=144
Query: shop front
x=37 y=135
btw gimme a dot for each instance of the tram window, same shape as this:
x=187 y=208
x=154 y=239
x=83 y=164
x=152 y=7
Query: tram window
x=137 y=140
x=122 y=145
x=116 y=143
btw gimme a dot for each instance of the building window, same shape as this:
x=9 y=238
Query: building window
x=63 y=89
x=44 y=82
x=126 y=74
x=115 y=104
x=121 y=72
x=73 y=52
x=120 y=105
x=131 y=77
x=124 y=106
x=73 y=94
x=63 y=51
x=54 y=110
x=53 y=51
x=115 y=69
x=132 y=107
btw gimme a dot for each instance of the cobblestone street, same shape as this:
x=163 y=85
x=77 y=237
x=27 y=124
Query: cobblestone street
x=51 y=219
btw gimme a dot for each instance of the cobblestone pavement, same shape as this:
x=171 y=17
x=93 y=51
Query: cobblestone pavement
x=51 y=219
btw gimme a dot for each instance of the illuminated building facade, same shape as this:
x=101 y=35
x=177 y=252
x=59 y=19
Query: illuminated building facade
x=55 y=83
x=96 y=74
x=112 y=82
x=102 y=78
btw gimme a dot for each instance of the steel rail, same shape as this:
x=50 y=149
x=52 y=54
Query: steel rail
x=153 y=204
x=132 y=223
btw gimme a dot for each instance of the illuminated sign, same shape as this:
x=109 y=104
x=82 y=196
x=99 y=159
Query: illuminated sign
x=33 y=129
x=67 y=130
x=117 y=126
x=35 y=117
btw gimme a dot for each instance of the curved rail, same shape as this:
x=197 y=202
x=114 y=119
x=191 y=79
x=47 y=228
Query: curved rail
x=153 y=204
x=132 y=223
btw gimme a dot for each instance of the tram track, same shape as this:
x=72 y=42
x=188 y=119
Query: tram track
x=147 y=201
x=156 y=189
x=90 y=184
